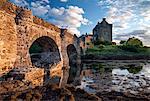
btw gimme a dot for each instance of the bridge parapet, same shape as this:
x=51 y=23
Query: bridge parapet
x=43 y=23
x=23 y=13
x=11 y=8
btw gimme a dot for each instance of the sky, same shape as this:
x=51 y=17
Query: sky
x=130 y=18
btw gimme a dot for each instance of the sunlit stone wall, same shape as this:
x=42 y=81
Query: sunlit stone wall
x=18 y=30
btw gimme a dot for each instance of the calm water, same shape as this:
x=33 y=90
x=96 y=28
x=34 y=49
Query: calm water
x=122 y=76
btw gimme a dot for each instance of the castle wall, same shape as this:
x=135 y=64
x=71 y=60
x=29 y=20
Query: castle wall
x=105 y=34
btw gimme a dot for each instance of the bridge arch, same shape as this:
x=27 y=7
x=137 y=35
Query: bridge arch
x=72 y=55
x=44 y=46
x=44 y=53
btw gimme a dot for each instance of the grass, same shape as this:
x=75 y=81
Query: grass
x=116 y=50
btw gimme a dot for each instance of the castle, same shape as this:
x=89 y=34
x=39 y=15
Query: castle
x=102 y=32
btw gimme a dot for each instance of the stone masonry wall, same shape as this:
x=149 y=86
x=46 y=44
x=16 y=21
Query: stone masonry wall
x=18 y=30
x=8 y=42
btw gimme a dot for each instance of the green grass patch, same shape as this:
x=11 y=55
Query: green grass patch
x=118 y=50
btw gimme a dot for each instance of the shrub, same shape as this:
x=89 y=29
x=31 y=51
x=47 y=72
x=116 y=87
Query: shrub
x=131 y=45
x=122 y=42
x=97 y=42
x=133 y=69
x=90 y=45
x=92 y=49
x=134 y=42
x=113 y=43
x=129 y=48
x=101 y=46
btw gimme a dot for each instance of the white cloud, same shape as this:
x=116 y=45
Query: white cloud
x=63 y=0
x=146 y=15
x=39 y=9
x=22 y=3
x=74 y=30
x=127 y=16
x=143 y=35
x=57 y=12
x=71 y=18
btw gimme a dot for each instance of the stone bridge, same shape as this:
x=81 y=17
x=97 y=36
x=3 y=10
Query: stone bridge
x=33 y=47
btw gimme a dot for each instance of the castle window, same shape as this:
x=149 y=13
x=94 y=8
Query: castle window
x=106 y=33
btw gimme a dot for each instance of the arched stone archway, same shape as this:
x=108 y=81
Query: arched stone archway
x=72 y=54
x=44 y=53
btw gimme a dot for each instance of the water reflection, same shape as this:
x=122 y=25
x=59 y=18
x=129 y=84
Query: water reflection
x=129 y=76
x=146 y=70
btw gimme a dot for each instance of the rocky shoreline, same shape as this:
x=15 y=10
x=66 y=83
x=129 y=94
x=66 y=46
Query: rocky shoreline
x=19 y=90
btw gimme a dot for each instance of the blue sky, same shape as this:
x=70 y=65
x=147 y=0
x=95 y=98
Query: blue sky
x=129 y=17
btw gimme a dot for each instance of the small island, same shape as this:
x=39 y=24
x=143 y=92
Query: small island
x=100 y=46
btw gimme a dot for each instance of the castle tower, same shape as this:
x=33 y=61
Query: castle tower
x=102 y=31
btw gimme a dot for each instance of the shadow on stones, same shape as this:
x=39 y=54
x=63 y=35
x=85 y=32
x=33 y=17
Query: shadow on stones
x=72 y=54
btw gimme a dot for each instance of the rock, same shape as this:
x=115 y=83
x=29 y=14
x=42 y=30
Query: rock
x=140 y=89
x=115 y=82
x=118 y=96
x=127 y=86
x=133 y=92
x=50 y=92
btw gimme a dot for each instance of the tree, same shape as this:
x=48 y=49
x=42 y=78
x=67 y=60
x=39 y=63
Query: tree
x=134 y=42
x=122 y=42
x=132 y=45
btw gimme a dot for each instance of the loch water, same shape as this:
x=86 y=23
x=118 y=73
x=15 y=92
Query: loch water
x=122 y=76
